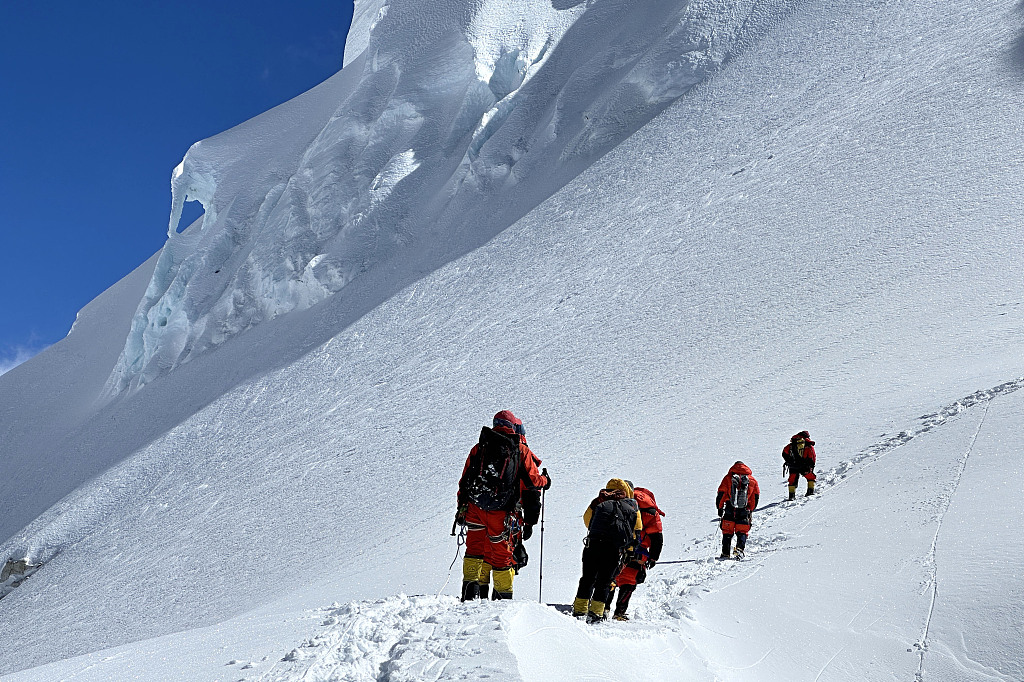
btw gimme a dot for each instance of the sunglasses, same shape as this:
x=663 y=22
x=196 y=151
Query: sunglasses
x=518 y=428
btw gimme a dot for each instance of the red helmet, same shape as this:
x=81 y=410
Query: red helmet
x=510 y=421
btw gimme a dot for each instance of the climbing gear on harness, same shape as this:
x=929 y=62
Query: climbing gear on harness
x=512 y=528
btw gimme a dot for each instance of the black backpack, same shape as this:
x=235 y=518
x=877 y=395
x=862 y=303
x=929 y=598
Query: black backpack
x=740 y=491
x=494 y=472
x=614 y=522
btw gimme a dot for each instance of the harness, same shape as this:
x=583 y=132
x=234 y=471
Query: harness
x=513 y=526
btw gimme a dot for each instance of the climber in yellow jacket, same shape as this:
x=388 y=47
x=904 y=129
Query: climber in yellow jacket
x=613 y=524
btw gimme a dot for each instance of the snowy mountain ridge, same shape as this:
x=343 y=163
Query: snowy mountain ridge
x=451 y=109
x=821 y=234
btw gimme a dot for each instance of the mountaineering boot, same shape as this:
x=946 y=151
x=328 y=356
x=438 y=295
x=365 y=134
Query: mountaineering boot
x=810 y=488
x=483 y=590
x=469 y=590
x=792 y=492
x=741 y=546
x=726 y=546
x=620 y=616
x=495 y=596
x=596 y=612
x=470 y=574
x=580 y=607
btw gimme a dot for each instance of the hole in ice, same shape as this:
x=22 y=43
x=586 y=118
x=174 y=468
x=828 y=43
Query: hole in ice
x=14 y=573
x=190 y=212
x=162 y=322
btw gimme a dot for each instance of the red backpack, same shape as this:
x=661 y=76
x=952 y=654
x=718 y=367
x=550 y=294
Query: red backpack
x=645 y=500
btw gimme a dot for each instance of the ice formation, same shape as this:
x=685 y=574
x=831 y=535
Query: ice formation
x=452 y=109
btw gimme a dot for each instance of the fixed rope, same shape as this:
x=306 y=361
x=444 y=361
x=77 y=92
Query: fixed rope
x=459 y=542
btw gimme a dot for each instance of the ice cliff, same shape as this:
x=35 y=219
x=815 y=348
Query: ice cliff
x=455 y=119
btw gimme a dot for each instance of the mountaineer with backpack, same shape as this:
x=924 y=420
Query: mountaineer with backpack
x=799 y=458
x=613 y=523
x=646 y=554
x=736 y=501
x=500 y=470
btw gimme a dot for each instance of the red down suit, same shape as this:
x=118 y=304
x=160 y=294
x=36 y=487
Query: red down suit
x=651 y=538
x=737 y=520
x=485 y=525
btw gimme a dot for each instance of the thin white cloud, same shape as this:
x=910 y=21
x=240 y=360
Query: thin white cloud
x=13 y=357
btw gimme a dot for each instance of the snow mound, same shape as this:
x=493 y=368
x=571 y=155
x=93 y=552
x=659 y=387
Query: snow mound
x=409 y=639
x=453 y=110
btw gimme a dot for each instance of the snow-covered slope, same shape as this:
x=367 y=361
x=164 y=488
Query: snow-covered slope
x=54 y=438
x=823 y=235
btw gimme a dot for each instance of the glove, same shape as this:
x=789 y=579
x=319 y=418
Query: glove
x=546 y=475
x=460 y=515
x=721 y=512
x=527 y=532
x=651 y=563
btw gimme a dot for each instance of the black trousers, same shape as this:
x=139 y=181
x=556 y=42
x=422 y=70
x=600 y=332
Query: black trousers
x=600 y=566
x=625 y=592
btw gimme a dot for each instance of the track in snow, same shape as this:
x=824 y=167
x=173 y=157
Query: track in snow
x=922 y=644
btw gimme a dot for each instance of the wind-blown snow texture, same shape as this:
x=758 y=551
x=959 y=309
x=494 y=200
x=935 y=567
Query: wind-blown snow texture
x=821 y=233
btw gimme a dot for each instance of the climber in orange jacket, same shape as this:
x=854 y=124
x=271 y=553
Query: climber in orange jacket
x=736 y=500
x=498 y=470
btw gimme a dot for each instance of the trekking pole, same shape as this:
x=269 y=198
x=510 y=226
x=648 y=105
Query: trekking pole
x=678 y=561
x=540 y=584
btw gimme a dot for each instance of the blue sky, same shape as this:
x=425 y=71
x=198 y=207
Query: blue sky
x=98 y=102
